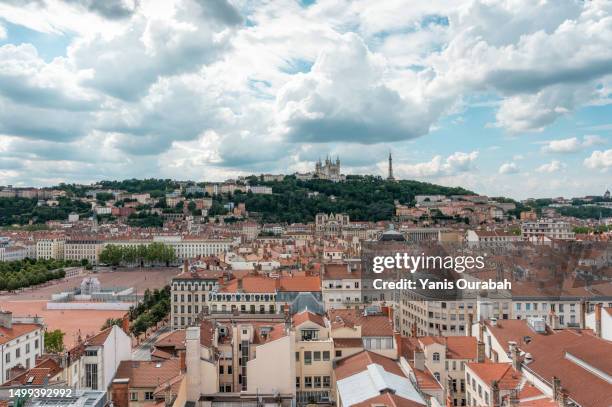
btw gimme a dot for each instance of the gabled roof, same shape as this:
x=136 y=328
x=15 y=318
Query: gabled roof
x=360 y=361
x=388 y=400
x=503 y=373
x=300 y=318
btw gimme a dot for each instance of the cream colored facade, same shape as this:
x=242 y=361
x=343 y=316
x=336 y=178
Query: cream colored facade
x=341 y=293
x=432 y=318
x=188 y=299
x=83 y=249
x=314 y=354
x=52 y=248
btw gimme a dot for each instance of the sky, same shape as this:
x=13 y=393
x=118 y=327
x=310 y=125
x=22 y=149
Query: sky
x=507 y=97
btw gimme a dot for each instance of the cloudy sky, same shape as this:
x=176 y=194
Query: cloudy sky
x=504 y=97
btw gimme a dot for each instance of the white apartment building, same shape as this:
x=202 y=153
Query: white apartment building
x=341 y=285
x=260 y=189
x=94 y=362
x=547 y=228
x=21 y=342
x=491 y=236
x=184 y=248
x=14 y=253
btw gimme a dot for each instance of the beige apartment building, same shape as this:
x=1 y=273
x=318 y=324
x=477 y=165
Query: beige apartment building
x=314 y=354
x=353 y=331
x=248 y=348
x=50 y=248
x=79 y=249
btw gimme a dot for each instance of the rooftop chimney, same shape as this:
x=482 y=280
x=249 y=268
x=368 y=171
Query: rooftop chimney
x=480 y=352
x=562 y=400
x=556 y=387
x=583 y=310
x=419 y=359
x=516 y=362
x=6 y=319
x=182 y=361
x=185 y=266
x=470 y=322
x=598 y=320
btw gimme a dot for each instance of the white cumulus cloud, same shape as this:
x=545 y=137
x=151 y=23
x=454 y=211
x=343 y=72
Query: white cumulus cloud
x=599 y=160
x=553 y=166
x=455 y=163
x=508 y=168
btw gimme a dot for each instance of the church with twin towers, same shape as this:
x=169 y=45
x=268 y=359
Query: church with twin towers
x=330 y=169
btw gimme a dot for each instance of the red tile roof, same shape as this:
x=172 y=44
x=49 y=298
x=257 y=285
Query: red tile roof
x=148 y=373
x=505 y=375
x=300 y=318
x=371 y=325
x=360 y=361
x=17 y=330
x=388 y=400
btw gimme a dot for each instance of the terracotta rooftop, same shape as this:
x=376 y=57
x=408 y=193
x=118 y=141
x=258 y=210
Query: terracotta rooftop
x=148 y=373
x=300 y=318
x=388 y=400
x=360 y=362
x=341 y=271
x=17 y=330
x=371 y=325
x=505 y=375
x=550 y=358
x=457 y=347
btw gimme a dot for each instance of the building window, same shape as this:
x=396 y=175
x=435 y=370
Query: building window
x=17 y=352
x=297 y=356
x=148 y=395
x=317 y=356
x=297 y=382
x=325 y=355
x=436 y=357
x=91 y=376
x=307 y=357
x=326 y=381
x=310 y=334
x=133 y=396
x=36 y=344
x=7 y=358
x=91 y=353
x=220 y=369
x=317 y=381
x=338 y=353
x=308 y=382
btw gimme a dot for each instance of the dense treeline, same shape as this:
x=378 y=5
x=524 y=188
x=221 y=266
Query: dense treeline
x=21 y=210
x=363 y=198
x=24 y=273
x=585 y=212
x=151 y=253
x=152 y=309
x=145 y=219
